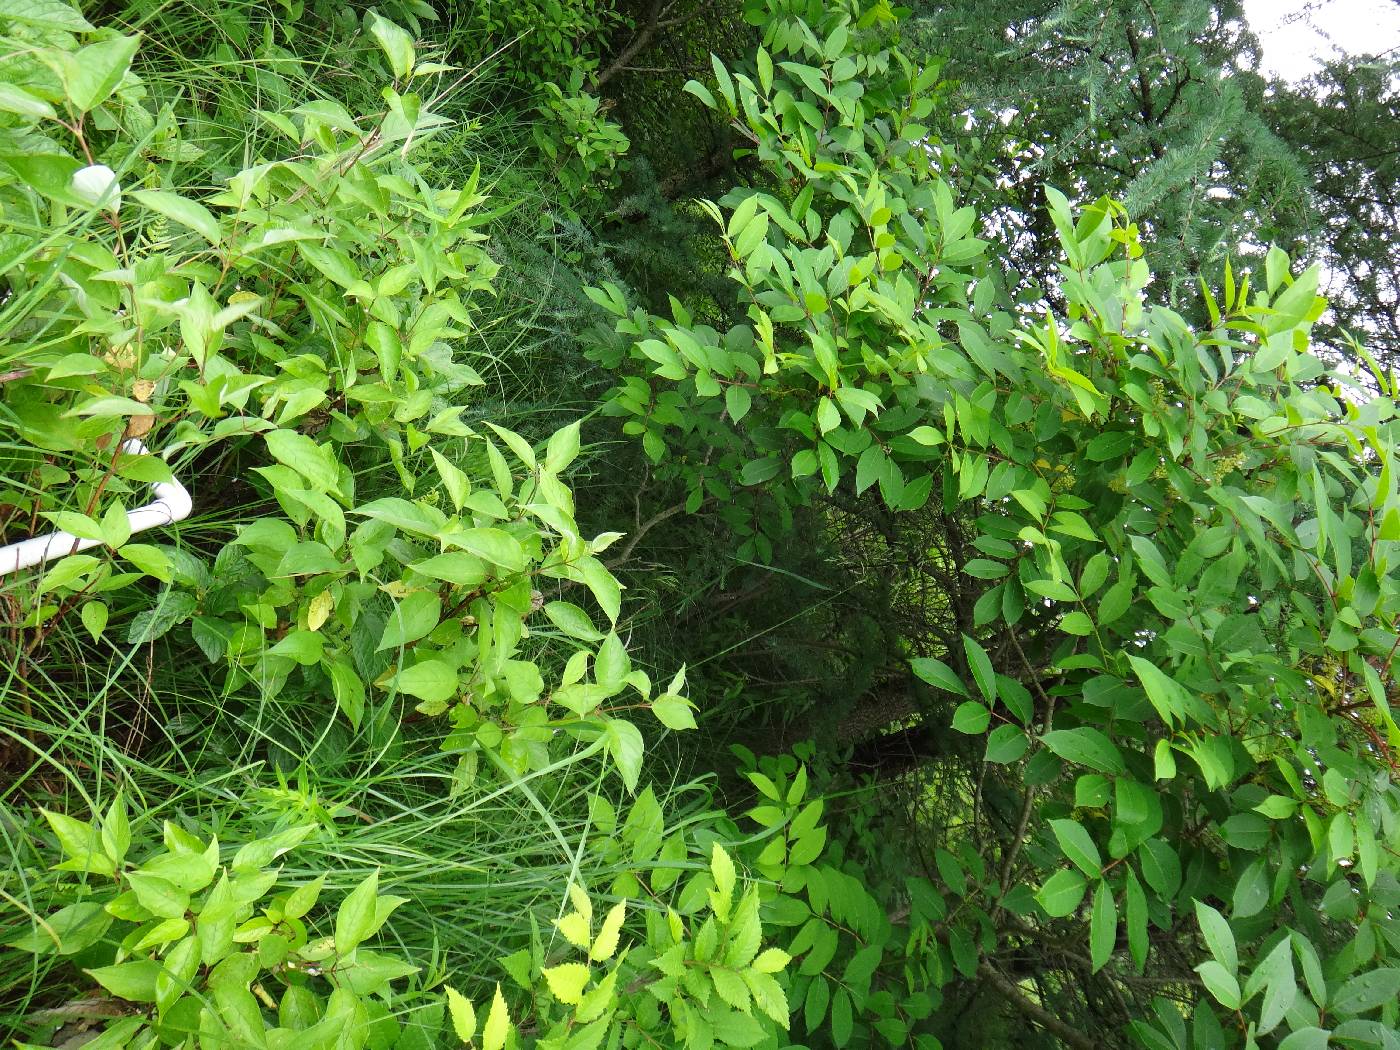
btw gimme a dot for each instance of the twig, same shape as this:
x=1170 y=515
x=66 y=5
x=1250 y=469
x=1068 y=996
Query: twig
x=641 y=530
x=1068 y=1035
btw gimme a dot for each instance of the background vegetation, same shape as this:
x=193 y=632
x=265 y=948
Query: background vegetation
x=753 y=523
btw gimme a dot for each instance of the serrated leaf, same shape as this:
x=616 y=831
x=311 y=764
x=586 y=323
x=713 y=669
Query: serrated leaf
x=497 y=1027
x=605 y=944
x=463 y=1015
x=567 y=981
x=575 y=929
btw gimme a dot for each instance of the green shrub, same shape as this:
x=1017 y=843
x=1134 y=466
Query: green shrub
x=317 y=313
x=1166 y=556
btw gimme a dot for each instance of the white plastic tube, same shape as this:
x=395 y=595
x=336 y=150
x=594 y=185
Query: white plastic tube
x=172 y=503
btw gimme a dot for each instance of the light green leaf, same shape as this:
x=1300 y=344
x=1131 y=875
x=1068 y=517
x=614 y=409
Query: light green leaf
x=463 y=1015
x=492 y=545
x=722 y=871
x=396 y=42
x=305 y=457
x=354 y=920
x=1166 y=696
x=430 y=680
x=574 y=927
x=15 y=99
x=497 y=1027
x=133 y=981
x=413 y=618
x=673 y=712
x=183 y=210
x=605 y=944
x=562 y=449
x=567 y=981
x=92 y=73
x=624 y=742
x=1221 y=984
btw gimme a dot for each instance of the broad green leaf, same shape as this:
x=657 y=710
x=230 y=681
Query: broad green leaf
x=562 y=449
x=1103 y=927
x=494 y=546
x=183 y=210
x=1306 y=1039
x=624 y=742
x=67 y=931
x=574 y=927
x=354 y=920
x=396 y=43
x=1078 y=846
x=15 y=99
x=1220 y=939
x=1085 y=746
x=981 y=665
x=1221 y=984
x=1062 y=892
x=133 y=981
x=937 y=673
x=411 y=619
x=971 y=717
x=1166 y=696
x=303 y=898
x=673 y=712
x=157 y=895
x=604 y=586
x=1006 y=744
x=1366 y=991
x=93 y=72
x=431 y=680
x=305 y=457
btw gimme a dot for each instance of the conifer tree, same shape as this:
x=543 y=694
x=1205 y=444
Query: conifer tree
x=1156 y=101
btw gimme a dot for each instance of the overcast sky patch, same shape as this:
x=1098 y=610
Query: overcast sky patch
x=1293 y=44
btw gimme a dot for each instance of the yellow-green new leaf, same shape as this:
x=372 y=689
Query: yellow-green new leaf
x=493 y=1035
x=580 y=901
x=605 y=944
x=463 y=1015
x=567 y=981
x=574 y=927
x=771 y=960
x=722 y=870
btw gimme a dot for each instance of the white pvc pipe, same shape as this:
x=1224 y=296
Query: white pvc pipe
x=172 y=503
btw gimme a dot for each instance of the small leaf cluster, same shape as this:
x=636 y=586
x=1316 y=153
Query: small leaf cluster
x=221 y=949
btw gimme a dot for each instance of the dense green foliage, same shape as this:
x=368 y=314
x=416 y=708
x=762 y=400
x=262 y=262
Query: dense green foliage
x=730 y=595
